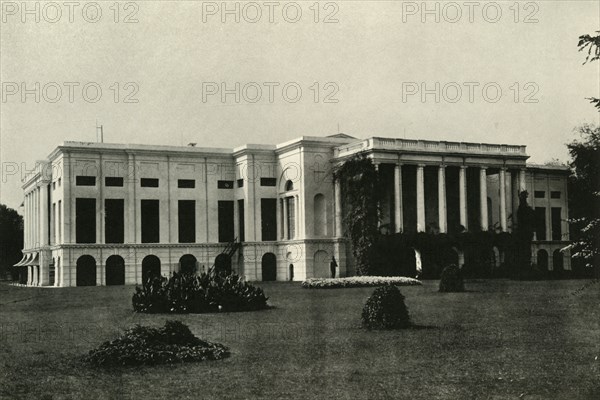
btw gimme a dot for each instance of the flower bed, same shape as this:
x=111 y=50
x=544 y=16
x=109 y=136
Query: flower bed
x=358 y=281
x=142 y=345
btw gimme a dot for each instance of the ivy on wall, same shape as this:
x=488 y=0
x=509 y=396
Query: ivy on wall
x=360 y=188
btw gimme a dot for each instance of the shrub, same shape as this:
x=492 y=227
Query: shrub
x=451 y=280
x=385 y=309
x=358 y=281
x=189 y=293
x=142 y=345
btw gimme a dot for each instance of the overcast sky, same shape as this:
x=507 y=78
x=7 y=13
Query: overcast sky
x=364 y=71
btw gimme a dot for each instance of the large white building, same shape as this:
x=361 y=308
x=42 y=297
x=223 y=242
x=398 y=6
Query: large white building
x=103 y=214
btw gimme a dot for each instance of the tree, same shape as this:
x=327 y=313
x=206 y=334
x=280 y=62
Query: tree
x=11 y=238
x=584 y=194
x=592 y=44
x=524 y=233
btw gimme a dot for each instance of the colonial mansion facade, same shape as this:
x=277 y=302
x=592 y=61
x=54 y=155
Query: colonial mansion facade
x=110 y=214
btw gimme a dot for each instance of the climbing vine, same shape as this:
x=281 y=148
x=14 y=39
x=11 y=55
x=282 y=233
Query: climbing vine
x=360 y=189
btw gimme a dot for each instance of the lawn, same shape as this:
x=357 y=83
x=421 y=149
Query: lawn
x=500 y=340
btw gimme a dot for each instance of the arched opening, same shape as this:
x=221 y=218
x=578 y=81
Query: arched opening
x=269 y=267
x=52 y=273
x=289 y=185
x=542 y=260
x=557 y=263
x=115 y=270
x=223 y=264
x=321 y=264
x=150 y=268
x=187 y=264
x=59 y=273
x=320 y=215
x=86 y=271
x=291 y=272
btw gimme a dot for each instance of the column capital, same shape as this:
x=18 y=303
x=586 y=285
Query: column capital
x=484 y=167
x=421 y=165
x=464 y=166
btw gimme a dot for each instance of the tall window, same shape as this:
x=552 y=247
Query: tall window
x=53 y=225
x=85 y=220
x=556 y=223
x=268 y=209
x=291 y=217
x=226 y=231
x=187 y=221
x=241 y=219
x=540 y=223
x=150 y=221
x=114 y=220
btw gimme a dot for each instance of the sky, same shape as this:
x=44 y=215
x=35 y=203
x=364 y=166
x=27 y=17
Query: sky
x=175 y=72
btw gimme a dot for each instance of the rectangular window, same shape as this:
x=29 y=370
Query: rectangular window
x=555 y=195
x=268 y=181
x=225 y=184
x=113 y=181
x=59 y=181
x=539 y=194
x=85 y=180
x=114 y=221
x=149 y=182
x=150 y=221
x=240 y=183
x=53 y=185
x=85 y=220
x=187 y=221
x=59 y=221
x=556 y=223
x=540 y=223
x=268 y=210
x=291 y=217
x=241 y=219
x=226 y=221
x=186 y=183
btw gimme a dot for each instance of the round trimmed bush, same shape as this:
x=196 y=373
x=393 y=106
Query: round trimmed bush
x=385 y=309
x=452 y=280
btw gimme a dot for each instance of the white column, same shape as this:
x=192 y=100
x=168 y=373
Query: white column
x=278 y=221
x=36 y=221
x=420 y=198
x=522 y=184
x=285 y=219
x=338 y=208
x=25 y=222
x=43 y=214
x=398 y=199
x=131 y=226
x=462 y=191
x=503 y=223
x=483 y=216
x=443 y=221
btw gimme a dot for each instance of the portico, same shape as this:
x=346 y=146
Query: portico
x=443 y=186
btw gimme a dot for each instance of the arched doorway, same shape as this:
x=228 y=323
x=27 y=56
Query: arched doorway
x=150 y=268
x=269 y=267
x=223 y=264
x=187 y=264
x=321 y=265
x=542 y=260
x=52 y=273
x=557 y=263
x=86 y=271
x=115 y=270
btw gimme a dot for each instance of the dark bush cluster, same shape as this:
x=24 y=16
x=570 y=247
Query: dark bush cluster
x=190 y=293
x=142 y=345
x=452 y=280
x=385 y=309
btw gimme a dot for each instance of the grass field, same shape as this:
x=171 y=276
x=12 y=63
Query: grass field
x=500 y=340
